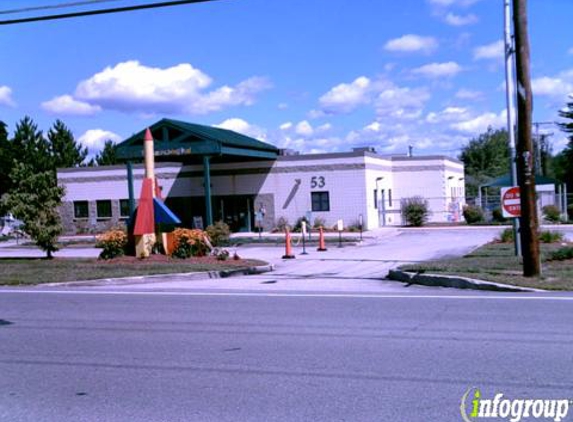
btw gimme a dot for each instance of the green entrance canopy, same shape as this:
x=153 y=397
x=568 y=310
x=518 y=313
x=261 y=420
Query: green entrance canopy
x=191 y=143
x=182 y=141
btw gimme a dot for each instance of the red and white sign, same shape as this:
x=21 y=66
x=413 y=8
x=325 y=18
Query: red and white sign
x=511 y=202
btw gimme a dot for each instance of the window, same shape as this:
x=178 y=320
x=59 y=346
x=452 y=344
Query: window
x=375 y=199
x=320 y=201
x=81 y=209
x=103 y=209
x=124 y=208
x=389 y=197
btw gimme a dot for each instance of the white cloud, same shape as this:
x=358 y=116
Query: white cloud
x=324 y=128
x=6 y=96
x=344 y=98
x=285 y=126
x=401 y=102
x=67 y=105
x=461 y=20
x=450 y=3
x=480 y=123
x=94 y=139
x=449 y=114
x=241 y=126
x=559 y=86
x=304 y=128
x=438 y=70
x=468 y=94
x=282 y=106
x=373 y=127
x=132 y=87
x=412 y=43
x=494 y=50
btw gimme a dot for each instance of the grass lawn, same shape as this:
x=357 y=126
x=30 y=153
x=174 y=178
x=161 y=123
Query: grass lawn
x=37 y=271
x=497 y=262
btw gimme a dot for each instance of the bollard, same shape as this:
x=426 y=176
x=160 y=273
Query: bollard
x=321 y=244
x=288 y=248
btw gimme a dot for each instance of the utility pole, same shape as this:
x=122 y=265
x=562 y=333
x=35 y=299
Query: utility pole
x=525 y=174
x=510 y=96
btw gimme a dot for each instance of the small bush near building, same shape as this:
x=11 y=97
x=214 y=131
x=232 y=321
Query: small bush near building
x=506 y=236
x=415 y=211
x=547 y=236
x=497 y=216
x=190 y=243
x=113 y=243
x=562 y=254
x=281 y=224
x=473 y=214
x=318 y=223
x=298 y=225
x=219 y=233
x=551 y=213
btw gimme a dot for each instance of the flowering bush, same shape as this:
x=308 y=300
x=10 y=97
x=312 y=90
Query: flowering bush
x=113 y=243
x=189 y=243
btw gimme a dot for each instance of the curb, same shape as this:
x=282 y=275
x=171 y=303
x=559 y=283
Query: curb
x=154 y=277
x=435 y=280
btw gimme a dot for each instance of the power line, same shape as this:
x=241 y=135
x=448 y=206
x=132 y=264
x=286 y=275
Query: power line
x=53 y=6
x=101 y=11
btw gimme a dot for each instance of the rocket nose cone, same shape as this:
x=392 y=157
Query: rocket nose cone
x=148 y=136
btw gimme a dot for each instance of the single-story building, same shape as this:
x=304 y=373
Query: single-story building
x=208 y=174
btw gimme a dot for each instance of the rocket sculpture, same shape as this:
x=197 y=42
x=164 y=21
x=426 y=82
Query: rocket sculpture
x=151 y=209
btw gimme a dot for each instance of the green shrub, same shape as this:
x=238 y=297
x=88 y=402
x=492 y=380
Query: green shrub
x=318 y=223
x=415 y=211
x=551 y=213
x=506 y=236
x=281 y=224
x=561 y=254
x=547 y=236
x=473 y=214
x=113 y=243
x=298 y=225
x=497 y=215
x=190 y=243
x=354 y=226
x=219 y=233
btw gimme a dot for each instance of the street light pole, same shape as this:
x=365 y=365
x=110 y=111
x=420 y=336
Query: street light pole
x=526 y=176
x=509 y=93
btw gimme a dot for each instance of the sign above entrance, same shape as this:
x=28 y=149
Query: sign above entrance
x=511 y=202
x=172 y=152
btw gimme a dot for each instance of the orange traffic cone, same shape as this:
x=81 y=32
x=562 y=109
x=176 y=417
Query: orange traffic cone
x=321 y=244
x=288 y=249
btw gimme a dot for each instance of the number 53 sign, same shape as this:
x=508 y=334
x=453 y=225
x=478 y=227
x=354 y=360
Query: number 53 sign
x=317 y=182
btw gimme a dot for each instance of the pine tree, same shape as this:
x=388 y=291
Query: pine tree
x=6 y=156
x=563 y=162
x=31 y=147
x=108 y=155
x=65 y=151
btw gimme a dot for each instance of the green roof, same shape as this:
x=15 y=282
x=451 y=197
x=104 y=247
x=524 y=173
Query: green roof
x=176 y=138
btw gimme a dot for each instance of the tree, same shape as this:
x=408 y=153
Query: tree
x=485 y=157
x=65 y=151
x=563 y=162
x=35 y=199
x=107 y=156
x=32 y=148
x=6 y=156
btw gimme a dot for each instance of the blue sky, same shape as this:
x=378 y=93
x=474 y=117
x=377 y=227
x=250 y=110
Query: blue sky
x=315 y=76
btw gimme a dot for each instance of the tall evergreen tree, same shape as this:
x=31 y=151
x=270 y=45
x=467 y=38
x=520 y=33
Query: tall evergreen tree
x=6 y=156
x=31 y=147
x=108 y=155
x=563 y=162
x=65 y=150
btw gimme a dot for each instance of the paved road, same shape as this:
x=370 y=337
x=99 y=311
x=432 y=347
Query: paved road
x=198 y=356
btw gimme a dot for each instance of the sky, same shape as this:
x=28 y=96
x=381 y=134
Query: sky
x=314 y=76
